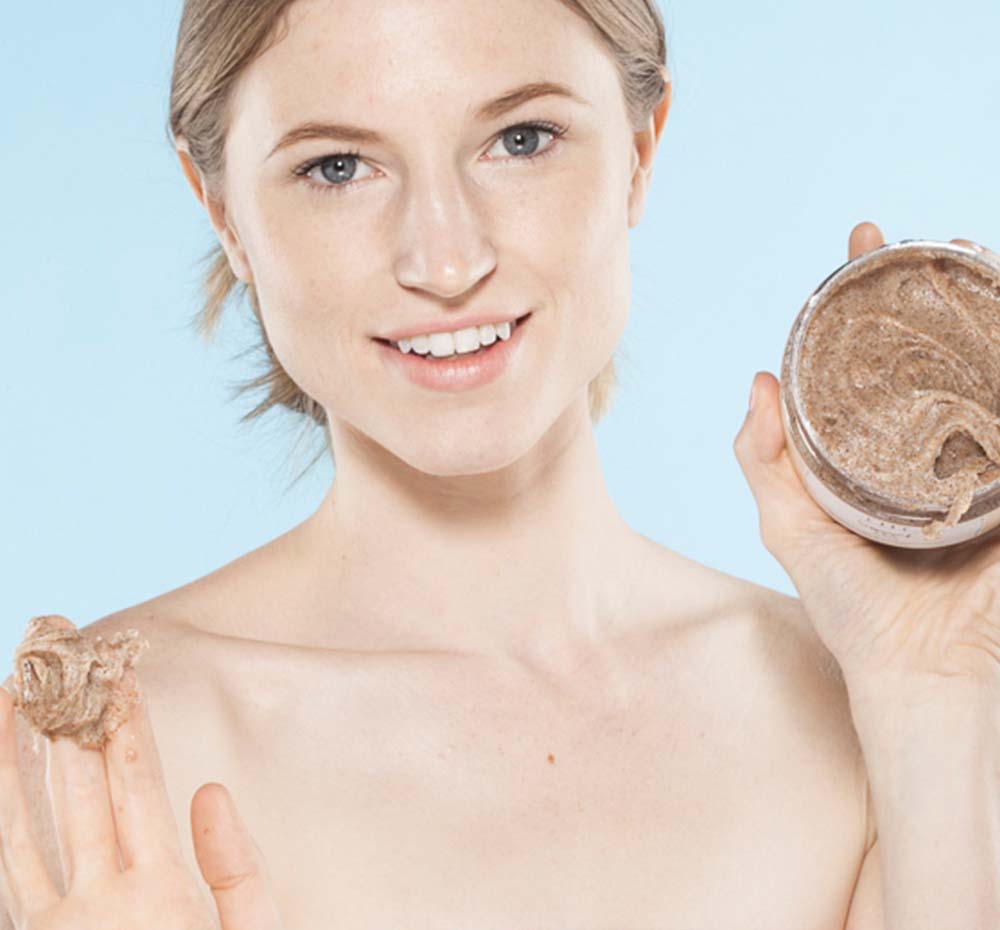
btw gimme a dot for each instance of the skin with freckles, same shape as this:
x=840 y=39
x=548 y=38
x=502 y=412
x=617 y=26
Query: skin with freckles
x=496 y=489
x=463 y=691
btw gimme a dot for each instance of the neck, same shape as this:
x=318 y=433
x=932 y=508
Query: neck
x=531 y=562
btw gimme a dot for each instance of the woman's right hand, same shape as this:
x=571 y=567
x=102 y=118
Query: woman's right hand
x=112 y=801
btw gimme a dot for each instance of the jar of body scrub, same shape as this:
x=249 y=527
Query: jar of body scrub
x=890 y=394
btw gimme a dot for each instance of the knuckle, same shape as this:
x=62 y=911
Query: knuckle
x=771 y=534
x=230 y=879
x=142 y=781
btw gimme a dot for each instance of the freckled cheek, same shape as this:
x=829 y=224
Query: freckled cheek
x=578 y=253
x=312 y=300
x=571 y=212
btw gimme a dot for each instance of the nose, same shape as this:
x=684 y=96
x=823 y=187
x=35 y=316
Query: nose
x=444 y=248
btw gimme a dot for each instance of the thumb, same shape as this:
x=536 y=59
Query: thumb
x=231 y=863
x=789 y=518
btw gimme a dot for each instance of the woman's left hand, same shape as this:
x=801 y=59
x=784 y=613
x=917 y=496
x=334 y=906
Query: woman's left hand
x=898 y=618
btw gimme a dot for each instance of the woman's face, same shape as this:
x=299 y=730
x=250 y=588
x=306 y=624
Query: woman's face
x=445 y=216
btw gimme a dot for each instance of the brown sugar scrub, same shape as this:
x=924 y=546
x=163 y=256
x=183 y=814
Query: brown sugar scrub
x=70 y=685
x=890 y=394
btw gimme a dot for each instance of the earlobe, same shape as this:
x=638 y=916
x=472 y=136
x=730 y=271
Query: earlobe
x=642 y=168
x=234 y=251
x=637 y=195
x=216 y=215
x=227 y=238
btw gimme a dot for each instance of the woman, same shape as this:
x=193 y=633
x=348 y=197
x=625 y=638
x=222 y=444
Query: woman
x=464 y=692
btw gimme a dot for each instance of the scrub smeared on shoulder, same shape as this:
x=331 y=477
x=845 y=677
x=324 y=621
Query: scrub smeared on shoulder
x=67 y=684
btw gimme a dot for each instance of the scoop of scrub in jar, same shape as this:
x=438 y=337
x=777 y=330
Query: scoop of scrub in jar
x=900 y=380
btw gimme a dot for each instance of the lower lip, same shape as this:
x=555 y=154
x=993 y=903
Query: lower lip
x=462 y=373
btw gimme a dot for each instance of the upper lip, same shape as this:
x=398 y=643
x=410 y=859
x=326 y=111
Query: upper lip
x=447 y=325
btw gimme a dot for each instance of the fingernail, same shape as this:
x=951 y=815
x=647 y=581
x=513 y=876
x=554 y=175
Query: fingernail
x=753 y=394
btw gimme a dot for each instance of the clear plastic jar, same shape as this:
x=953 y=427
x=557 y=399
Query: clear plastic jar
x=890 y=394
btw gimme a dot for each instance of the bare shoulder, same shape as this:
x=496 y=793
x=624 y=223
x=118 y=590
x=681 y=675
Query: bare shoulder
x=158 y=622
x=174 y=674
x=775 y=673
x=169 y=655
x=32 y=746
x=180 y=672
x=179 y=679
x=762 y=623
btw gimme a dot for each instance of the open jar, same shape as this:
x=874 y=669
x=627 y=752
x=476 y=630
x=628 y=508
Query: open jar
x=890 y=394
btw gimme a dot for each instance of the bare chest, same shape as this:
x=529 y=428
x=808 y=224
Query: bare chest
x=399 y=802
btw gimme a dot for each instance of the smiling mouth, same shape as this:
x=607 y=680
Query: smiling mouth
x=518 y=321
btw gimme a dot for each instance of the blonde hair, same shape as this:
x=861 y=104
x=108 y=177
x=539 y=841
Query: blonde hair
x=218 y=39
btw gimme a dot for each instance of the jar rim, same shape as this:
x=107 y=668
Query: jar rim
x=849 y=271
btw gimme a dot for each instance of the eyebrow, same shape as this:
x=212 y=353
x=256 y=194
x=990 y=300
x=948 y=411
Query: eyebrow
x=491 y=110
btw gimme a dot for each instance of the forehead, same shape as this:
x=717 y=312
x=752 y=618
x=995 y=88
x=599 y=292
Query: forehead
x=338 y=57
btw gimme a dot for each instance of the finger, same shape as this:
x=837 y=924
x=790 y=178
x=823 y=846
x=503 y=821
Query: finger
x=231 y=863
x=864 y=238
x=25 y=884
x=759 y=447
x=81 y=807
x=979 y=248
x=147 y=828
x=788 y=517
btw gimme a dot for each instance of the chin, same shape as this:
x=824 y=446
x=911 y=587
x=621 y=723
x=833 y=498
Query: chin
x=453 y=454
x=452 y=451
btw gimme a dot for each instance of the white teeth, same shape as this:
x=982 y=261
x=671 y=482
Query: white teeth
x=487 y=334
x=460 y=342
x=466 y=340
x=442 y=344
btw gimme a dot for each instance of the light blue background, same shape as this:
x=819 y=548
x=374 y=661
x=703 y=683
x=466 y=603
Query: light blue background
x=124 y=471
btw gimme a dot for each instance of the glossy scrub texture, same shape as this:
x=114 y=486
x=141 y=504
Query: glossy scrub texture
x=899 y=378
x=69 y=685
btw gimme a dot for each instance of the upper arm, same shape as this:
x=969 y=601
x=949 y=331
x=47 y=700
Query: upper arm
x=865 y=910
x=31 y=766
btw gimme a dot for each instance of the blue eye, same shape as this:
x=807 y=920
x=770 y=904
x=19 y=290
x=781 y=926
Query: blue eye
x=343 y=165
x=526 y=134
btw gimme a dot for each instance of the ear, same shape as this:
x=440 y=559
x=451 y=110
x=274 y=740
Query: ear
x=216 y=214
x=646 y=142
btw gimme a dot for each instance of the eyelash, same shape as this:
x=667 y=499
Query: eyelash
x=303 y=170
